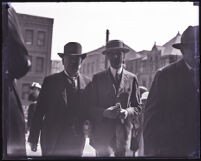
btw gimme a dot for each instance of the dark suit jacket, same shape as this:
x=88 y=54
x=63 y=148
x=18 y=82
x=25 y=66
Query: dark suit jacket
x=60 y=125
x=104 y=95
x=171 y=118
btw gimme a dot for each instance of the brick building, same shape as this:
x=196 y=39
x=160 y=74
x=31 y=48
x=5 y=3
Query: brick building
x=56 y=66
x=146 y=66
x=96 y=61
x=37 y=33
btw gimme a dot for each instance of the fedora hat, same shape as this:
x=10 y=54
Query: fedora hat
x=73 y=49
x=189 y=36
x=115 y=45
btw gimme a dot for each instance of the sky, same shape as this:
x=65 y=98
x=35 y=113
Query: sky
x=137 y=24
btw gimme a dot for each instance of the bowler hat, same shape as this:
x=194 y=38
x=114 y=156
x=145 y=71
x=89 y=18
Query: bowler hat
x=115 y=45
x=73 y=49
x=189 y=36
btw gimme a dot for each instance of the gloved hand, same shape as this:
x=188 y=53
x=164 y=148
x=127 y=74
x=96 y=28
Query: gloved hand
x=112 y=112
x=33 y=147
x=123 y=114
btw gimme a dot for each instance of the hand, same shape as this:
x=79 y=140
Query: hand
x=123 y=114
x=33 y=147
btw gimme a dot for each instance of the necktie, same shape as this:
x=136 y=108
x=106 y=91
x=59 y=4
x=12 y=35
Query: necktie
x=117 y=78
x=72 y=81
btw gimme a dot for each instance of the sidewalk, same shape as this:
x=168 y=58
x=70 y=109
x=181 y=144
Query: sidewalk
x=88 y=151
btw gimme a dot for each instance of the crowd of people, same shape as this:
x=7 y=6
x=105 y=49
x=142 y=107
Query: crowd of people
x=117 y=112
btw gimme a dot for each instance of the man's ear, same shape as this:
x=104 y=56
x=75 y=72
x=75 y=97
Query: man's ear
x=63 y=60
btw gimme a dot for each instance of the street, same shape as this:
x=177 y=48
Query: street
x=88 y=151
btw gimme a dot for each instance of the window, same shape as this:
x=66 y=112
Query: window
x=25 y=90
x=29 y=37
x=39 y=64
x=41 y=38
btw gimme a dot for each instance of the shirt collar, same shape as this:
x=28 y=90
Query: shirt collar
x=114 y=71
x=70 y=76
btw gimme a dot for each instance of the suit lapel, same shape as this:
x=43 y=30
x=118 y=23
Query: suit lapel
x=63 y=84
x=122 y=82
x=64 y=95
x=109 y=83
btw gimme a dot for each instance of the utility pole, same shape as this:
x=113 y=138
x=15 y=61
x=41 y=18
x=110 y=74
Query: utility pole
x=107 y=39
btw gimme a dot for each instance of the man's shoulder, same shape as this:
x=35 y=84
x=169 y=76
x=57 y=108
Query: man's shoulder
x=54 y=76
x=85 y=78
x=101 y=73
x=129 y=74
x=171 y=68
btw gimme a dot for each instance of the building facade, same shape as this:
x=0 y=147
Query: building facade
x=146 y=66
x=56 y=66
x=96 y=62
x=143 y=63
x=37 y=33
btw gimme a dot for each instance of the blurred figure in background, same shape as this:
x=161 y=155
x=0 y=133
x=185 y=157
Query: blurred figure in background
x=142 y=90
x=15 y=64
x=143 y=101
x=35 y=90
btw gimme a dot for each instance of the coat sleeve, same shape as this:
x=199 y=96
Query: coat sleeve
x=39 y=114
x=134 y=100
x=134 y=112
x=152 y=117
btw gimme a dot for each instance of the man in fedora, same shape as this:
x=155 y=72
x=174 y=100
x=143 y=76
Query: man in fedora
x=114 y=95
x=172 y=112
x=60 y=110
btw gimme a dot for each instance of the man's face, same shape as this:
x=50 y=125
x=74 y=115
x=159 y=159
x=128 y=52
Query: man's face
x=191 y=54
x=36 y=91
x=116 y=58
x=72 y=64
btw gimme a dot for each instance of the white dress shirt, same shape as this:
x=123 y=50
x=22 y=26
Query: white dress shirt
x=114 y=71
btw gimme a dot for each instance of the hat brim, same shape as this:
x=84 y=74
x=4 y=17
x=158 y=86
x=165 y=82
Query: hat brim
x=80 y=55
x=115 y=49
x=177 y=46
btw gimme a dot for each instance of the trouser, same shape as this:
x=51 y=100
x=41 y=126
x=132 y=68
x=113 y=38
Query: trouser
x=107 y=151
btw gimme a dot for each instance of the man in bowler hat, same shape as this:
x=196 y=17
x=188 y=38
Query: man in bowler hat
x=172 y=112
x=114 y=97
x=60 y=110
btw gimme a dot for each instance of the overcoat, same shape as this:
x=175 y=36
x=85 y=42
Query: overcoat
x=103 y=95
x=59 y=117
x=172 y=114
